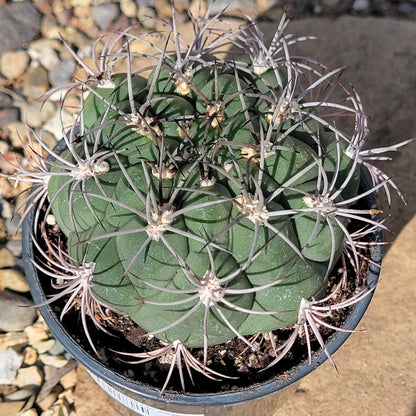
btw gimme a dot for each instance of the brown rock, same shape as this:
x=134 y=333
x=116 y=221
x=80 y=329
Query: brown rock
x=28 y=376
x=13 y=279
x=10 y=408
x=35 y=82
x=12 y=339
x=7 y=259
x=30 y=356
x=69 y=380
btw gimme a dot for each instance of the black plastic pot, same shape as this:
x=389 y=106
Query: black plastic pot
x=260 y=399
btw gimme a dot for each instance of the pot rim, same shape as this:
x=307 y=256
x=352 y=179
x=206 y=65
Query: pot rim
x=145 y=391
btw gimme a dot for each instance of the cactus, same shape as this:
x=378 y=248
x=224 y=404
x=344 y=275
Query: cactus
x=206 y=196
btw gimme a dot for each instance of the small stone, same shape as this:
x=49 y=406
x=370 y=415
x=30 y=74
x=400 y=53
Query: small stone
x=48 y=58
x=14 y=280
x=147 y=17
x=43 y=346
x=30 y=356
x=11 y=408
x=9 y=115
x=21 y=394
x=10 y=362
x=53 y=360
x=69 y=380
x=36 y=113
x=360 y=5
x=3 y=233
x=5 y=100
x=28 y=376
x=19 y=24
x=14 y=64
x=16 y=311
x=44 y=6
x=14 y=246
x=128 y=8
x=50 y=399
x=36 y=332
x=406 y=9
x=6 y=258
x=80 y=3
x=56 y=348
x=17 y=132
x=49 y=27
x=35 y=82
x=12 y=339
x=104 y=14
x=54 y=125
x=62 y=73
x=29 y=412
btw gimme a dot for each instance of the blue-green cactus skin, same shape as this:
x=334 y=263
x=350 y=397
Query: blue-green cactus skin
x=174 y=206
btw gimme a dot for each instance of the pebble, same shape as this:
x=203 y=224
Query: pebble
x=69 y=379
x=10 y=362
x=12 y=339
x=35 y=82
x=16 y=311
x=5 y=100
x=360 y=5
x=9 y=115
x=14 y=280
x=48 y=57
x=49 y=400
x=29 y=412
x=53 y=360
x=30 y=355
x=104 y=14
x=19 y=24
x=21 y=394
x=36 y=113
x=14 y=63
x=11 y=408
x=62 y=73
x=36 y=332
x=49 y=27
x=28 y=376
x=406 y=9
x=55 y=123
x=44 y=345
x=128 y=8
x=7 y=259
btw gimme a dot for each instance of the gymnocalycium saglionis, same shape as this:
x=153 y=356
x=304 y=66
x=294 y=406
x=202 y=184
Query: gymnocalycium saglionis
x=207 y=194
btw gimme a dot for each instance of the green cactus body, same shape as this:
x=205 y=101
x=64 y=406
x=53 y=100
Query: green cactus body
x=201 y=225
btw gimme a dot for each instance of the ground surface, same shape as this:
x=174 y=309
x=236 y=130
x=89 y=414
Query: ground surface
x=377 y=371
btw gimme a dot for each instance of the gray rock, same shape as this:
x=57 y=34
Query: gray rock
x=406 y=9
x=62 y=73
x=105 y=13
x=10 y=362
x=360 y=5
x=8 y=115
x=16 y=311
x=19 y=24
x=5 y=100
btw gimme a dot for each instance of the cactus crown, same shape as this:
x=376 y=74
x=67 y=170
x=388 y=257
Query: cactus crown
x=206 y=195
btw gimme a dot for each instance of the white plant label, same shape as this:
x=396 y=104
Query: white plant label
x=133 y=404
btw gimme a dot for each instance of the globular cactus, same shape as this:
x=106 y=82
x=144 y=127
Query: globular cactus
x=207 y=195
